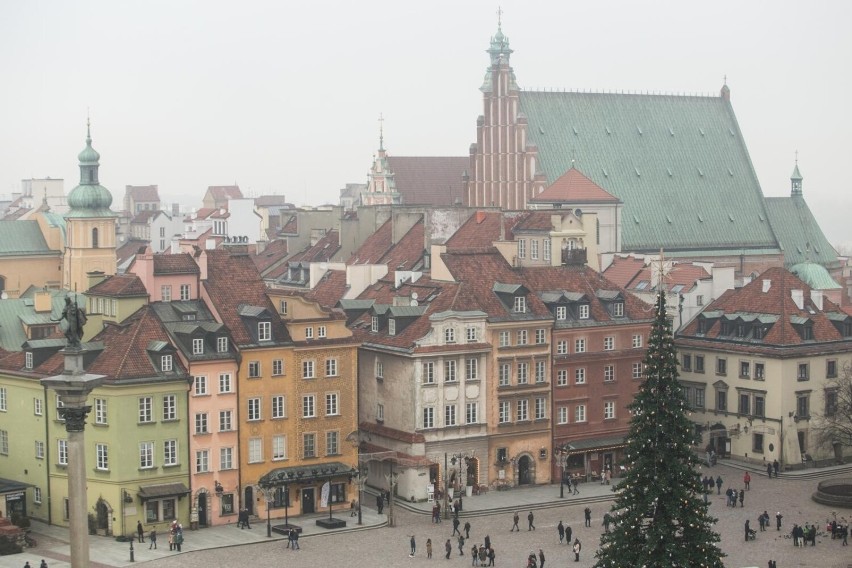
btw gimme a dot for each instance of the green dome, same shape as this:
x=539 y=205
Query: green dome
x=815 y=276
x=89 y=155
x=90 y=198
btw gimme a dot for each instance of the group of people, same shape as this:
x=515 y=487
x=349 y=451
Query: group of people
x=42 y=565
x=243 y=519
x=293 y=539
x=175 y=536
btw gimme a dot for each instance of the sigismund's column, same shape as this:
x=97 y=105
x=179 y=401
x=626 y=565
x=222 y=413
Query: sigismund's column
x=73 y=387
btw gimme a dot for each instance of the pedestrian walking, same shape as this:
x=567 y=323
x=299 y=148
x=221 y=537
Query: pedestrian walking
x=746 y=480
x=140 y=531
x=461 y=545
x=295 y=534
x=761 y=522
x=179 y=539
x=152 y=536
x=456 y=530
x=742 y=497
x=576 y=489
x=491 y=556
x=27 y=564
x=795 y=534
x=467 y=529
x=568 y=535
x=380 y=503
x=483 y=555
x=487 y=541
x=561 y=529
x=588 y=514
x=719 y=485
x=769 y=470
x=449 y=549
x=540 y=558
x=577 y=546
x=778 y=517
x=413 y=547
x=474 y=553
x=775 y=467
x=429 y=548
x=43 y=564
x=515 y=520
x=530 y=518
x=607 y=519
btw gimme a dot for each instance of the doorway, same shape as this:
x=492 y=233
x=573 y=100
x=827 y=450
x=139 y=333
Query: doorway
x=248 y=502
x=308 y=500
x=202 y=509
x=524 y=470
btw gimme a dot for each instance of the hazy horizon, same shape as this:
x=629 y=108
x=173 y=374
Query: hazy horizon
x=285 y=98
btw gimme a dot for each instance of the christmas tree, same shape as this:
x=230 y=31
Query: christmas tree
x=661 y=517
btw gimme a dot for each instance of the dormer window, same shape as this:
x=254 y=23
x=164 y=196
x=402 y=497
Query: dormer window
x=374 y=324
x=618 y=309
x=391 y=327
x=520 y=306
x=561 y=313
x=741 y=330
x=702 y=326
x=807 y=332
x=282 y=307
x=198 y=346
x=28 y=360
x=450 y=335
x=166 y=363
x=847 y=329
x=309 y=332
x=584 y=311
x=759 y=332
x=222 y=344
x=264 y=331
x=726 y=328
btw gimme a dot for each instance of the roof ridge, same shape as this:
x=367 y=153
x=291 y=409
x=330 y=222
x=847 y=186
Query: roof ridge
x=129 y=344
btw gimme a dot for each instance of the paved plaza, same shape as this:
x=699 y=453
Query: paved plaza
x=382 y=546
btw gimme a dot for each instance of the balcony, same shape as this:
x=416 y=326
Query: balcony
x=574 y=257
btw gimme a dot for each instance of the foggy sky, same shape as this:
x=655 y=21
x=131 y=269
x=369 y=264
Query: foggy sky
x=284 y=97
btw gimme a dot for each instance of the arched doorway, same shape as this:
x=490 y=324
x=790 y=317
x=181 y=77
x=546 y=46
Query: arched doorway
x=248 y=502
x=472 y=472
x=524 y=473
x=202 y=509
x=718 y=439
x=103 y=514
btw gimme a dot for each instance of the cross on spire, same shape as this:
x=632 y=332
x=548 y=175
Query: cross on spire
x=797 y=157
x=499 y=17
x=381 y=132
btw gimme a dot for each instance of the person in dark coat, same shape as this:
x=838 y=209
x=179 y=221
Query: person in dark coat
x=719 y=485
x=43 y=564
x=413 y=547
x=778 y=517
x=568 y=532
x=540 y=558
x=530 y=518
x=140 y=531
x=380 y=503
x=515 y=520
x=487 y=541
x=742 y=497
x=461 y=545
x=491 y=556
x=769 y=470
x=588 y=515
x=153 y=538
x=775 y=467
x=295 y=535
x=474 y=553
x=456 y=530
x=577 y=546
x=449 y=548
x=467 y=529
x=561 y=529
x=747 y=530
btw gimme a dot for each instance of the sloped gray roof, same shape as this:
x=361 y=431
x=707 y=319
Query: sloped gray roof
x=23 y=238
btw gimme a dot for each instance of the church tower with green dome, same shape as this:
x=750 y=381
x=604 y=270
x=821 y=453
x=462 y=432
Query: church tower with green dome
x=89 y=224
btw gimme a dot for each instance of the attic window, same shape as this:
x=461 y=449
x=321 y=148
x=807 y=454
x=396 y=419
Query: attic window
x=520 y=306
x=391 y=327
x=618 y=309
x=264 y=331
x=166 y=363
x=702 y=325
x=28 y=360
x=374 y=324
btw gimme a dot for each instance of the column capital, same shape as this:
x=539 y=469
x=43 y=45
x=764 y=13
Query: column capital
x=75 y=417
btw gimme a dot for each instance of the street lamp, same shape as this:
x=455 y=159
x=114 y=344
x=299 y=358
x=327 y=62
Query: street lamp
x=361 y=481
x=563 y=458
x=391 y=479
x=268 y=495
x=453 y=459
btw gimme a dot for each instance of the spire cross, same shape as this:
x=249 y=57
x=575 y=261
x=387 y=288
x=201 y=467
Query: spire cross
x=499 y=17
x=797 y=157
x=725 y=79
x=381 y=131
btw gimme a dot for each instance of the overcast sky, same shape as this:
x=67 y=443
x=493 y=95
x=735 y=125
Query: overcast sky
x=284 y=97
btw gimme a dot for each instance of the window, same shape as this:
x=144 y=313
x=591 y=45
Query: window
x=609 y=343
x=699 y=363
x=277 y=367
x=540 y=408
x=225 y=383
x=226 y=420
x=331 y=367
x=380 y=412
x=520 y=306
x=803 y=405
x=198 y=346
x=759 y=372
x=450 y=335
x=830 y=402
x=309 y=406
x=264 y=331
x=807 y=332
x=28 y=360
x=59 y=406
x=332 y=406
x=374 y=324
x=562 y=347
x=184 y=291
x=803 y=373
x=221 y=344
x=757 y=443
x=503 y=412
x=534 y=249
x=523 y=373
x=450 y=372
x=380 y=369
x=36 y=494
x=428 y=417
x=759 y=405
x=308 y=371
x=505 y=373
x=166 y=363
x=309 y=445
x=199 y=384
x=428 y=373
x=202 y=461
x=254 y=369
x=470 y=334
x=101 y=457
x=522 y=337
x=391 y=327
x=540 y=374
x=146 y=409
x=580 y=413
x=637 y=341
x=562 y=415
x=282 y=307
x=546 y=248
x=831 y=369
x=201 y=426
x=745 y=369
x=504 y=339
x=62 y=452
x=522 y=248
x=39 y=450
x=721 y=366
x=584 y=311
x=579 y=346
x=562 y=378
x=561 y=313
x=170 y=453
x=523 y=410
x=146 y=455
x=279 y=407
x=253 y=409
x=609 y=410
x=618 y=309
x=100 y=411
x=471 y=369
x=279 y=447
x=699 y=300
x=580 y=376
x=471 y=415
x=637 y=370
x=745 y=403
x=169 y=407
x=450 y=415
x=332 y=443
x=166 y=293
x=539 y=336
x=609 y=373
x=721 y=400
x=38 y=407
x=226 y=458
x=309 y=332
x=227 y=504
x=255 y=450
x=686 y=362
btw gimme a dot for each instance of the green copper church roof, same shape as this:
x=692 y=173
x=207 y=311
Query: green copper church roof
x=798 y=233
x=22 y=238
x=90 y=198
x=679 y=164
x=815 y=276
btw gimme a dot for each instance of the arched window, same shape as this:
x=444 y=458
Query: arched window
x=95 y=238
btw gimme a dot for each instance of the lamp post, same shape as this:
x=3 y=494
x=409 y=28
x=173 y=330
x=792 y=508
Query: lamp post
x=453 y=459
x=361 y=481
x=391 y=479
x=562 y=459
x=131 y=550
x=268 y=495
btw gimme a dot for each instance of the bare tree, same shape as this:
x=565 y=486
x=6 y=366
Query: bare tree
x=833 y=425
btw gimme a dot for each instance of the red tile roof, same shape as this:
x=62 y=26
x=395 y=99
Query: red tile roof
x=483 y=228
x=574 y=187
x=222 y=193
x=391 y=433
x=291 y=226
x=535 y=221
x=274 y=253
x=143 y=217
x=130 y=248
x=119 y=285
x=322 y=251
x=681 y=274
x=143 y=193
x=375 y=246
x=180 y=263
x=430 y=180
x=407 y=253
x=330 y=289
x=623 y=270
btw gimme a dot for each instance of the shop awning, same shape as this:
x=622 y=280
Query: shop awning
x=306 y=473
x=147 y=492
x=581 y=446
x=12 y=486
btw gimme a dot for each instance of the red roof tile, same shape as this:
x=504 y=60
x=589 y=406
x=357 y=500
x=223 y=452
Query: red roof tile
x=330 y=289
x=623 y=270
x=119 y=285
x=143 y=193
x=430 y=180
x=681 y=274
x=222 y=193
x=574 y=187
x=180 y=263
x=375 y=246
x=483 y=228
x=274 y=253
x=407 y=253
x=322 y=251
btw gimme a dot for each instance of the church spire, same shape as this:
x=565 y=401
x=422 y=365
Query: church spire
x=796 y=179
x=381 y=133
x=499 y=49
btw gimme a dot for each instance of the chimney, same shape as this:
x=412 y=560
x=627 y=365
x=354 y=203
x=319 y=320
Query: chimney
x=766 y=285
x=816 y=298
x=95 y=277
x=42 y=302
x=798 y=298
